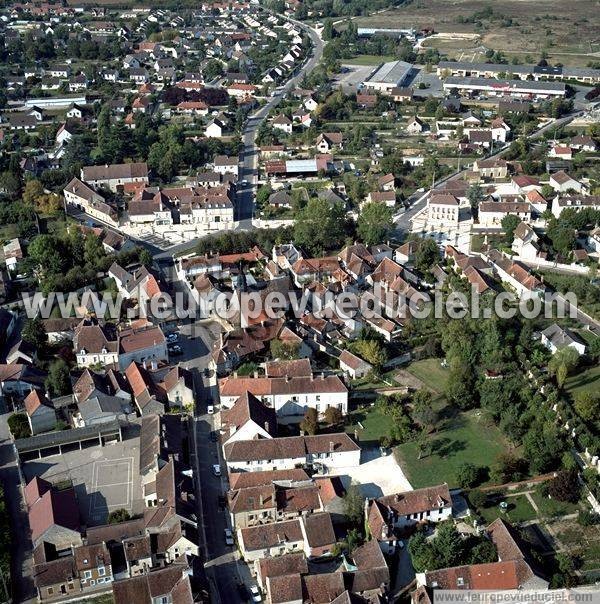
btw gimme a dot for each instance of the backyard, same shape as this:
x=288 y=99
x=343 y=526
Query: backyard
x=431 y=373
x=587 y=380
x=464 y=437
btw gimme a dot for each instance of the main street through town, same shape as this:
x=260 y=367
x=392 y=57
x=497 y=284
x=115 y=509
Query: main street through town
x=228 y=577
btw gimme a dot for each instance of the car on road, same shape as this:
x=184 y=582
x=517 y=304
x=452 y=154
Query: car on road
x=175 y=350
x=216 y=469
x=210 y=409
x=228 y=537
x=255 y=593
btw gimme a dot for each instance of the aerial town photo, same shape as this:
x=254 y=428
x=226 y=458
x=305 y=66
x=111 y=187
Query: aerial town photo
x=299 y=301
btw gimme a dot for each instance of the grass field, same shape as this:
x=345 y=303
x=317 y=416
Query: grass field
x=431 y=373
x=567 y=31
x=369 y=60
x=551 y=508
x=374 y=425
x=587 y=380
x=519 y=510
x=465 y=437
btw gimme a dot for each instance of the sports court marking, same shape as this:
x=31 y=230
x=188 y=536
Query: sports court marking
x=97 y=485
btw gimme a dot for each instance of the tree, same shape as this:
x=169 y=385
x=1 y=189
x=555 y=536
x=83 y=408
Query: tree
x=587 y=404
x=427 y=255
x=374 y=223
x=565 y=486
x=468 y=475
x=448 y=545
x=509 y=223
x=547 y=191
x=423 y=411
x=58 y=381
x=118 y=516
x=286 y=351
x=19 y=425
x=310 y=423
x=477 y=499
x=320 y=226
x=507 y=468
x=475 y=196
x=422 y=553
x=371 y=351
x=32 y=190
x=34 y=333
x=354 y=505
x=563 y=363
x=48 y=252
x=145 y=257
x=333 y=416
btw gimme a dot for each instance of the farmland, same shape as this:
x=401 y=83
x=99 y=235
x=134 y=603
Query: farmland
x=520 y=29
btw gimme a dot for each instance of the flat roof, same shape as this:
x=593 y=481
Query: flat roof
x=500 y=84
x=301 y=165
x=393 y=72
x=523 y=69
x=65 y=437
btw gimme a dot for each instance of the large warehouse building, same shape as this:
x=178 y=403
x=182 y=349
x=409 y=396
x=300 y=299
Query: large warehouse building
x=524 y=72
x=388 y=76
x=521 y=89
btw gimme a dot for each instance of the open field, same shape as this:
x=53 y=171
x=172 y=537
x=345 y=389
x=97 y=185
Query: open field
x=465 y=437
x=567 y=31
x=431 y=373
x=374 y=425
x=587 y=380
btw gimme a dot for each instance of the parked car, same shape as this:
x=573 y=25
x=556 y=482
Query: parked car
x=175 y=350
x=255 y=593
x=216 y=469
x=228 y=537
x=172 y=337
x=210 y=409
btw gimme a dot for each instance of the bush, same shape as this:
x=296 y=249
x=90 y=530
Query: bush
x=565 y=487
x=469 y=475
x=478 y=499
x=120 y=515
x=19 y=425
x=587 y=518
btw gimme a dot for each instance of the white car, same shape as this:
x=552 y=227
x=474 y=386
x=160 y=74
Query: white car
x=172 y=337
x=255 y=593
x=210 y=409
x=228 y=537
x=216 y=469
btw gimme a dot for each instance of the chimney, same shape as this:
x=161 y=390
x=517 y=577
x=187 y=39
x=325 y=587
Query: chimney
x=267 y=426
x=331 y=446
x=144 y=364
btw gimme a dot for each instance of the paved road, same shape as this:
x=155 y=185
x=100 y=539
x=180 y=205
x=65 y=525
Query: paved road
x=249 y=155
x=402 y=224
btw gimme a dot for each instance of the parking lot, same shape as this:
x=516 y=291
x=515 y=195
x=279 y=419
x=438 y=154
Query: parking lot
x=353 y=76
x=105 y=478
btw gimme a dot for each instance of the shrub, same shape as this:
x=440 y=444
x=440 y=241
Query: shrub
x=19 y=425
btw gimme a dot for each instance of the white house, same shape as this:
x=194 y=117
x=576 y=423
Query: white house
x=214 y=129
x=443 y=209
x=354 y=366
x=289 y=396
x=491 y=213
x=248 y=419
x=323 y=451
x=283 y=123
x=388 y=516
x=226 y=165
x=562 y=183
x=556 y=338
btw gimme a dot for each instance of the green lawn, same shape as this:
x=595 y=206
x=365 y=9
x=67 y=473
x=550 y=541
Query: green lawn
x=465 y=437
x=375 y=425
x=369 y=60
x=519 y=510
x=587 y=380
x=551 y=508
x=431 y=373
